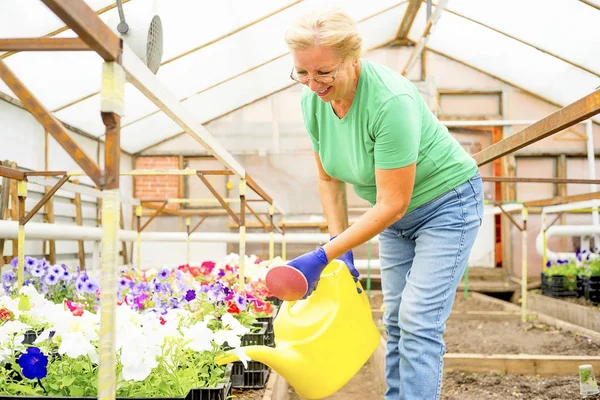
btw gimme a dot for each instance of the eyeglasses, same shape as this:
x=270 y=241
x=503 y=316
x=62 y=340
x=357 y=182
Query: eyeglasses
x=304 y=79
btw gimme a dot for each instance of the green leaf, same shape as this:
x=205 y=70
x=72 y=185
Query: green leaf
x=68 y=381
x=76 y=391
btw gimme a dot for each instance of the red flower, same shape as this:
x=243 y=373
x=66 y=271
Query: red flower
x=162 y=320
x=233 y=308
x=6 y=315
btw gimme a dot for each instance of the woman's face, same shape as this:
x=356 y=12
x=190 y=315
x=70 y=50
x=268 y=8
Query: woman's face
x=314 y=61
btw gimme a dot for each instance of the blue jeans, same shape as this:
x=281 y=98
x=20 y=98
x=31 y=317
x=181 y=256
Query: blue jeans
x=423 y=257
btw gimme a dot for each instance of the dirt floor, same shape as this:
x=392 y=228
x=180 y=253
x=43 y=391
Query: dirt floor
x=490 y=337
x=250 y=394
x=459 y=386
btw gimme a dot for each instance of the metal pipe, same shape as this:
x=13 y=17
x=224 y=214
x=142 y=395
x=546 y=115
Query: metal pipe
x=564 y=230
x=22 y=195
x=524 y=272
x=592 y=174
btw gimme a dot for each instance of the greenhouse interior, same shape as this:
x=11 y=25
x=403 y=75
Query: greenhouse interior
x=299 y=199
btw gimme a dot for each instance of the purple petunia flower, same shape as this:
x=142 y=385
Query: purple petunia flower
x=8 y=278
x=33 y=363
x=240 y=302
x=164 y=274
x=124 y=284
x=91 y=286
x=38 y=272
x=51 y=279
x=56 y=270
x=14 y=262
x=190 y=295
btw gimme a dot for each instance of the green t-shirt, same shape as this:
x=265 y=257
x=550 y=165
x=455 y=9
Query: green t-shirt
x=388 y=126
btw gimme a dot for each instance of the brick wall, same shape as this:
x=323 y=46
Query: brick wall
x=159 y=186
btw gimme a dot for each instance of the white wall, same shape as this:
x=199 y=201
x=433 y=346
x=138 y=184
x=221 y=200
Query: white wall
x=23 y=141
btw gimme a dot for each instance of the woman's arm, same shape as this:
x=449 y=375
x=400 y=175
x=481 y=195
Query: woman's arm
x=394 y=191
x=332 y=193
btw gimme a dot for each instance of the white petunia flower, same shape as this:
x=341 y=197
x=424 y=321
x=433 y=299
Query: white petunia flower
x=199 y=336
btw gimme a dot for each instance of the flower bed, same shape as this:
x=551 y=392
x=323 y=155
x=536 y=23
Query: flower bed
x=171 y=327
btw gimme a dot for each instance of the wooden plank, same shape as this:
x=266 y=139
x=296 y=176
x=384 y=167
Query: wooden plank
x=257 y=189
x=276 y=388
x=560 y=180
x=43 y=44
x=14 y=209
x=51 y=124
x=547 y=319
x=490 y=286
x=11 y=173
x=562 y=200
x=88 y=26
x=79 y=221
x=485 y=315
x=112 y=150
x=49 y=219
x=587 y=317
x=409 y=17
x=518 y=364
x=4 y=197
x=567 y=116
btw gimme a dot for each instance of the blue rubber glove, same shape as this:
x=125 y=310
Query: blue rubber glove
x=348 y=259
x=311 y=265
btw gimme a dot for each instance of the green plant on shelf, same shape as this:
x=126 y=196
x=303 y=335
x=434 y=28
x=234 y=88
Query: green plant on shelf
x=568 y=270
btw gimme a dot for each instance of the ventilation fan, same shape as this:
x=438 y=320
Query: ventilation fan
x=143 y=33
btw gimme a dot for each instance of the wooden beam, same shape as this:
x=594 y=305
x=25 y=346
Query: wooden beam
x=51 y=124
x=484 y=315
x=408 y=19
x=562 y=200
x=12 y=173
x=4 y=197
x=49 y=219
x=88 y=26
x=156 y=213
x=517 y=364
x=79 y=221
x=586 y=317
x=44 y=199
x=219 y=197
x=257 y=189
x=43 y=44
x=559 y=180
x=112 y=150
x=567 y=116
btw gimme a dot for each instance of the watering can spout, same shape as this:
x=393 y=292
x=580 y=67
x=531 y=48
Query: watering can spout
x=275 y=358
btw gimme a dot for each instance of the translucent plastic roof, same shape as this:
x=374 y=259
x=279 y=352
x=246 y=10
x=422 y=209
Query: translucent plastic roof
x=221 y=55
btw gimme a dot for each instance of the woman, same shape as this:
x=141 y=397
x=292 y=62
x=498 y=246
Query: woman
x=370 y=127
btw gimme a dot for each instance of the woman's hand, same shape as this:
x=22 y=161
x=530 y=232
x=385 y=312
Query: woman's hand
x=311 y=265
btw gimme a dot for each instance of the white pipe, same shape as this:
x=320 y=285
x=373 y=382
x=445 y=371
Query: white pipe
x=563 y=230
x=592 y=173
x=570 y=206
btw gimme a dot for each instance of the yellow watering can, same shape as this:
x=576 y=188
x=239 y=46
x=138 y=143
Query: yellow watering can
x=323 y=341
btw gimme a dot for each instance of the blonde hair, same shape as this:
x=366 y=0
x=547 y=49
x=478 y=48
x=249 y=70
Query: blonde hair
x=329 y=27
